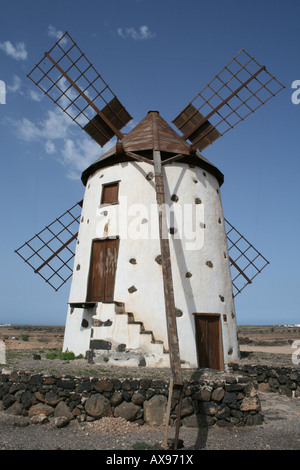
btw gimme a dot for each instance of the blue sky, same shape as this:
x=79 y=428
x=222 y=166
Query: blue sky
x=155 y=55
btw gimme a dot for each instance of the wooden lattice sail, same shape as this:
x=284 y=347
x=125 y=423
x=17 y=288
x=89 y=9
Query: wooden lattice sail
x=50 y=252
x=71 y=81
x=241 y=87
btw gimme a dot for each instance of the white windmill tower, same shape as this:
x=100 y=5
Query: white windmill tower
x=148 y=287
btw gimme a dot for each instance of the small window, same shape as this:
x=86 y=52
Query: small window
x=110 y=193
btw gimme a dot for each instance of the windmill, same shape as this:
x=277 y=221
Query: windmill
x=113 y=309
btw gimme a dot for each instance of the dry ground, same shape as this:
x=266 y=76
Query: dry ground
x=269 y=345
x=264 y=344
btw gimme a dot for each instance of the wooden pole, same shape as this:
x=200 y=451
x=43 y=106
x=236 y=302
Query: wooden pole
x=167 y=279
x=167 y=272
x=168 y=413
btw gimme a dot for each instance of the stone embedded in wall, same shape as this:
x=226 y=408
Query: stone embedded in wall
x=104 y=385
x=209 y=264
x=132 y=289
x=63 y=410
x=188 y=275
x=39 y=409
x=51 y=398
x=197 y=200
x=97 y=322
x=158 y=259
x=174 y=198
x=218 y=394
x=178 y=312
x=155 y=411
x=100 y=344
x=222 y=298
x=98 y=406
x=187 y=407
x=250 y=404
x=127 y=410
x=84 y=323
x=132 y=261
x=150 y=176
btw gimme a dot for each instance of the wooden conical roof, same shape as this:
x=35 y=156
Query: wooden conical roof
x=152 y=132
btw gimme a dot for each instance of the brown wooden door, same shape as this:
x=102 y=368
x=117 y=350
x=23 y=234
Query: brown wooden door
x=208 y=341
x=103 y=267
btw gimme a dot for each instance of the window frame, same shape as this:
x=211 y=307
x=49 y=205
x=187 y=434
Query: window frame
x=104 y=185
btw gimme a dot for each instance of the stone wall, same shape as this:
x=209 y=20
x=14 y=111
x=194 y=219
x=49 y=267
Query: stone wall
x=282 y=380
x=212 y=400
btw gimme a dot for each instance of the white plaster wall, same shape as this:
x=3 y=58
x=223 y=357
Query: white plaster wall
x=199 y=293
x=77 y=337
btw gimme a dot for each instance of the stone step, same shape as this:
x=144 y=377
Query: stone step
x=131 y=334
x=119 y=307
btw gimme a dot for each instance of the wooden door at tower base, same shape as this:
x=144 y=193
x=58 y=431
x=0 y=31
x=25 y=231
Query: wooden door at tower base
x=103 y=267
x=209 y=341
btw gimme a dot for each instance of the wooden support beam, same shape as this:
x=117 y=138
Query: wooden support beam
x=167 y=272
x=56 y=253
x=173 y=159
x=139 y=158
x=240 y=271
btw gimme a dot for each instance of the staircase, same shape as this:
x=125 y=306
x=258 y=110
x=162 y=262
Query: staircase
x=116 y=338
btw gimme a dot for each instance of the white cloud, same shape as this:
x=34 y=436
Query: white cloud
x=79 y=154
x=55 y=126
x=17 y=52
x=142 y=33
x=56 y=34
x=50 y=147
x=16 y=85
x=56 y=133
x=35 y=95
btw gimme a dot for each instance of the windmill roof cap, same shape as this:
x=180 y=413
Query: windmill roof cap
x=152 y=132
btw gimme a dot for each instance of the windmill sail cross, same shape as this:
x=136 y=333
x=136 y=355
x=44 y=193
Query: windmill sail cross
x=70 y=80
x=241 y=87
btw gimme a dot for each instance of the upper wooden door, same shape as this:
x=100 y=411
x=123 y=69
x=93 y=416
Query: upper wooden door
x=103 y=268
x=209 y=341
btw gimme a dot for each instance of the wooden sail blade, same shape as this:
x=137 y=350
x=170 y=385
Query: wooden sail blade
x=70 y=80
x=245 y=261
x=50 y=252
x=241 y=87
